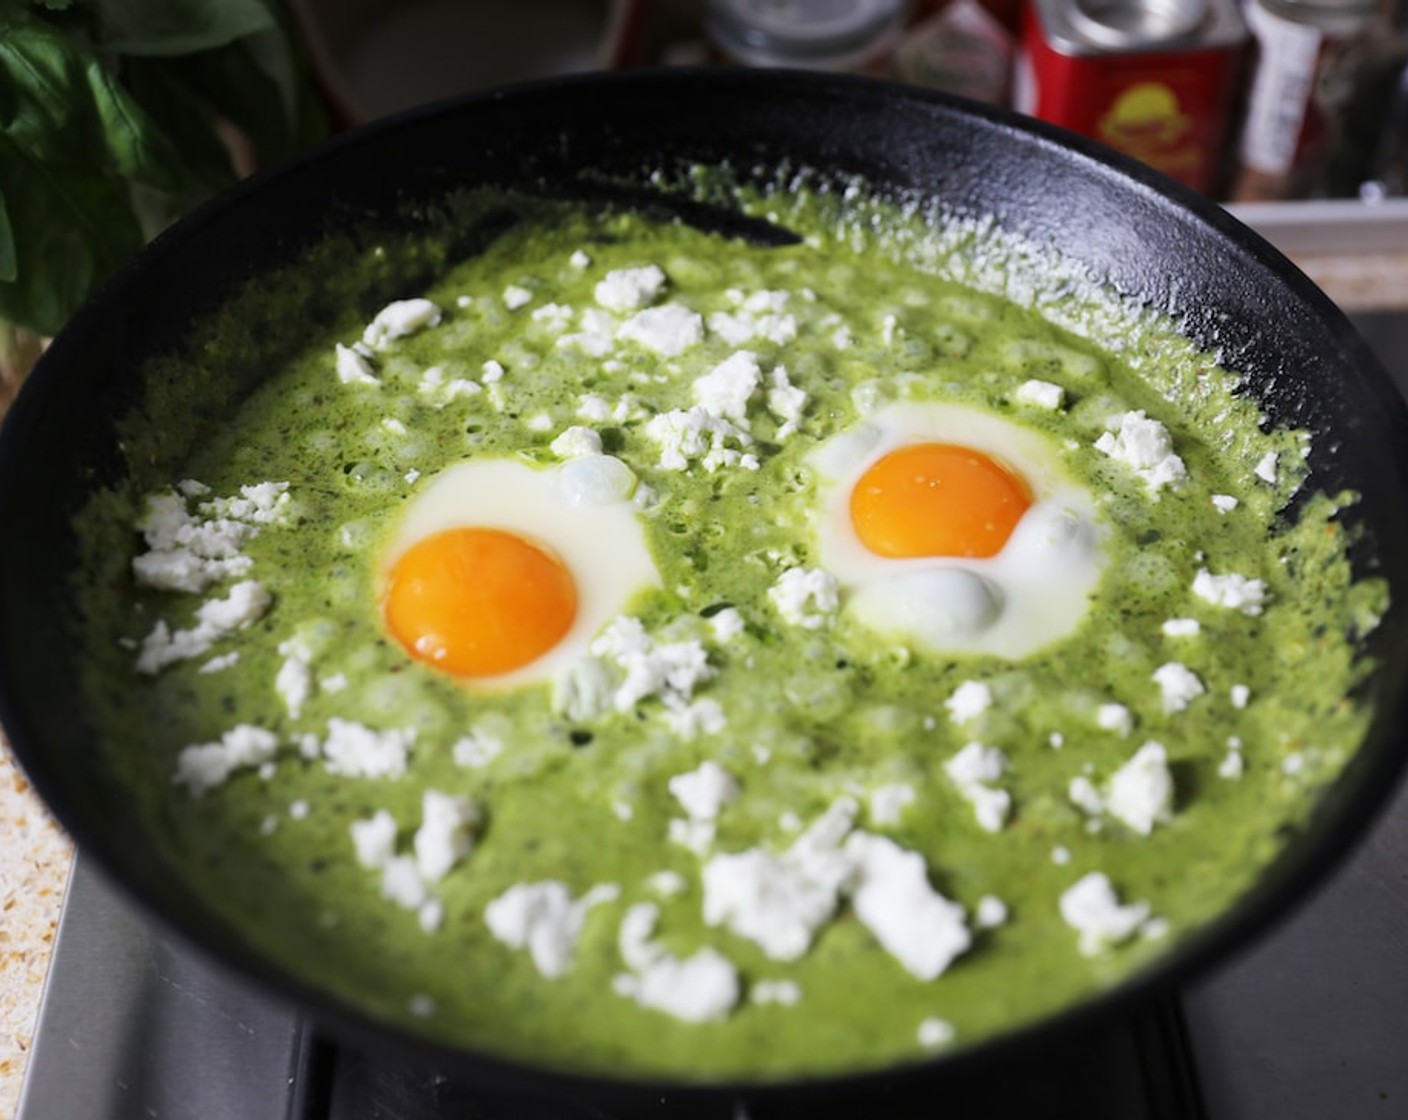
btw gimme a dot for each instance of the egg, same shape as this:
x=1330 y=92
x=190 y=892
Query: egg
x=500 y=574
x=955 y=530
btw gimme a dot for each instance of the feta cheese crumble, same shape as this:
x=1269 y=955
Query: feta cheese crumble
x=1091 y=907
x=806 y=597
x=969 y=700
x=669 y=330
x=1179 y=685
x=1040 y=394
x=544 y=919
x=704 y=792
x=1233 y=591
x=972 y=770
x=625 y=289
x=399 y=319
x=1140 y=793
x=206 y=765
x=1146 y=446
x=697 y=989
x=1114 y=717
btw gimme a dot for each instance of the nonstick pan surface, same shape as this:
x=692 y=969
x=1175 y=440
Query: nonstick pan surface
x=1147 y=238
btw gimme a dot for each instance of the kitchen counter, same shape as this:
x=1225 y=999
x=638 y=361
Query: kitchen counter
x=35 y=855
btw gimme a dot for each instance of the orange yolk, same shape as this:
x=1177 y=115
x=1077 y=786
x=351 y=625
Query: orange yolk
x=479 y=602
x=937 y=499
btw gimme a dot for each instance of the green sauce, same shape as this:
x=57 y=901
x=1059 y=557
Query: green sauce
x=838 y=710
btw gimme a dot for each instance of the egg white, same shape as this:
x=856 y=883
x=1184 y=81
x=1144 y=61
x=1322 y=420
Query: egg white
x=1033 y=592
x=580 y=511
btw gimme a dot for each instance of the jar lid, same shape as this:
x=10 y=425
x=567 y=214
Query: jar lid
x=805 y=32
x=1134 y=24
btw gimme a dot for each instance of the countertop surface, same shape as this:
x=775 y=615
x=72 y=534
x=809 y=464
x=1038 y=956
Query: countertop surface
x=35 y=855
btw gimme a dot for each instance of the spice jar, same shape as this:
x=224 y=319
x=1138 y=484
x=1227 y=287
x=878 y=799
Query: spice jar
x=837 y=35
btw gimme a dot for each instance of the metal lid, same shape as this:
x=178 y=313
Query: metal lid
x=803 y=32
x=1132 y=24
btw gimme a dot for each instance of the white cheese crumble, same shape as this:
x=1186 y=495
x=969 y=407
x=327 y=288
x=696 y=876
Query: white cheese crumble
x=476 y=749
x=727 y=625
x=190 y=551
x=969 y=700
x=934 y=1032
x=294 y=681
x=990 y=913
x=887 y=803
x=697 y=989
x=705 y=791
x=1240 y=695
x=972 y=770
x=1114 y=717
x=759 y=315
x=353 y=750
x=625 y=289
x=516 y=296
x=684 y=435
x=576 y=441
x=545 y=919
x=491 y=372
x=446 y=833
x=787 y=993
x=786 y=401
x=1091 y=907
x=669 y=330
x=779 y=902
x=690 y=720
x=1140 y=793
x=1231 y=766
x=726 y=389
x=1060 y=855
x=1179 y=686
x=353 y=368
x=1040 y=394
x=644 y=668
x=806 y=597
x=399 y=319
x=1224 y=503
x=892 y=897
x=206 y=765
x=1233 y=591
x=1265 y=468
x=1181 y=628
x=215 y=619
x=579 y=259
x=374 y=840
x=1146 y=446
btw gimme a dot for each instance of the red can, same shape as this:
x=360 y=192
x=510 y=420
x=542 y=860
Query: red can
x=1156 y=79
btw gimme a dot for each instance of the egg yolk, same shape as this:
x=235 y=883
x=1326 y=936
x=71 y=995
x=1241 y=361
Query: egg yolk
x=937 y=499
x=479 y=602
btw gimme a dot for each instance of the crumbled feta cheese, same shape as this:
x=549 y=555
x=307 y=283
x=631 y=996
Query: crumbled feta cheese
x=579 y=259
x=515 y=297
x=1181 y=628
x=398 y=319
x=576 y=441
x=1084 y=796
x=699 y=717
x=337 y=682
x=1241 y=695
x=971 y=770
x=705 y=791
x=554 y=316
x=1179 y=684
x=1293 y=763
x=625 y=289
x=593 y=407
x=206 y=765
x=1233 y=591
x=760 y=315
x=669 y=330
x=696 y=836
x=991 y=912
x=1060 y=855
x=687 y=434
x=1231 y=766
x=544 y=919
x=1265 y=468
x=1091 y=907
x=353 y=368
x=1056 y=740
x=786 y=402
x=670 y=671
x=353 y=750
x=294 y=682
x=892 y=898
x=221 y=663
x=935 y=1032
x=1040 y=394
x=787 y=993
x=726 y=389
x=1146 y=446
x=540 y=423
x=726 y=625
x=215 y=619
x=780 y=902
x=491 y=372
x=806 y=597
x=1140 y=793
x=401 y=883
x=667 y=883
x=374 y=839
x=969 y=700
x=477 y=749
x=697 y=989
x=887 y=803
x=446 y=833
x=1114 y=717
x=299 y=810
x=1224 y=503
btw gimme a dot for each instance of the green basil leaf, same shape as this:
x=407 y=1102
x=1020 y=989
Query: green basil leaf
x=9 y=269
x=183 y=115
x=77 y=228
x=177 y=27
x=236 y=87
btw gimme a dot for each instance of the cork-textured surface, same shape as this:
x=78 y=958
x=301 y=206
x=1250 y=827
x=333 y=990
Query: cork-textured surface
x=34 y=861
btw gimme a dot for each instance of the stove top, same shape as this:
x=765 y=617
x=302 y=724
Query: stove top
x=1307 y=1023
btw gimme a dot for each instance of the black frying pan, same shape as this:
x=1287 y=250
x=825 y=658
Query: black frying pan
x=1147 y=237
